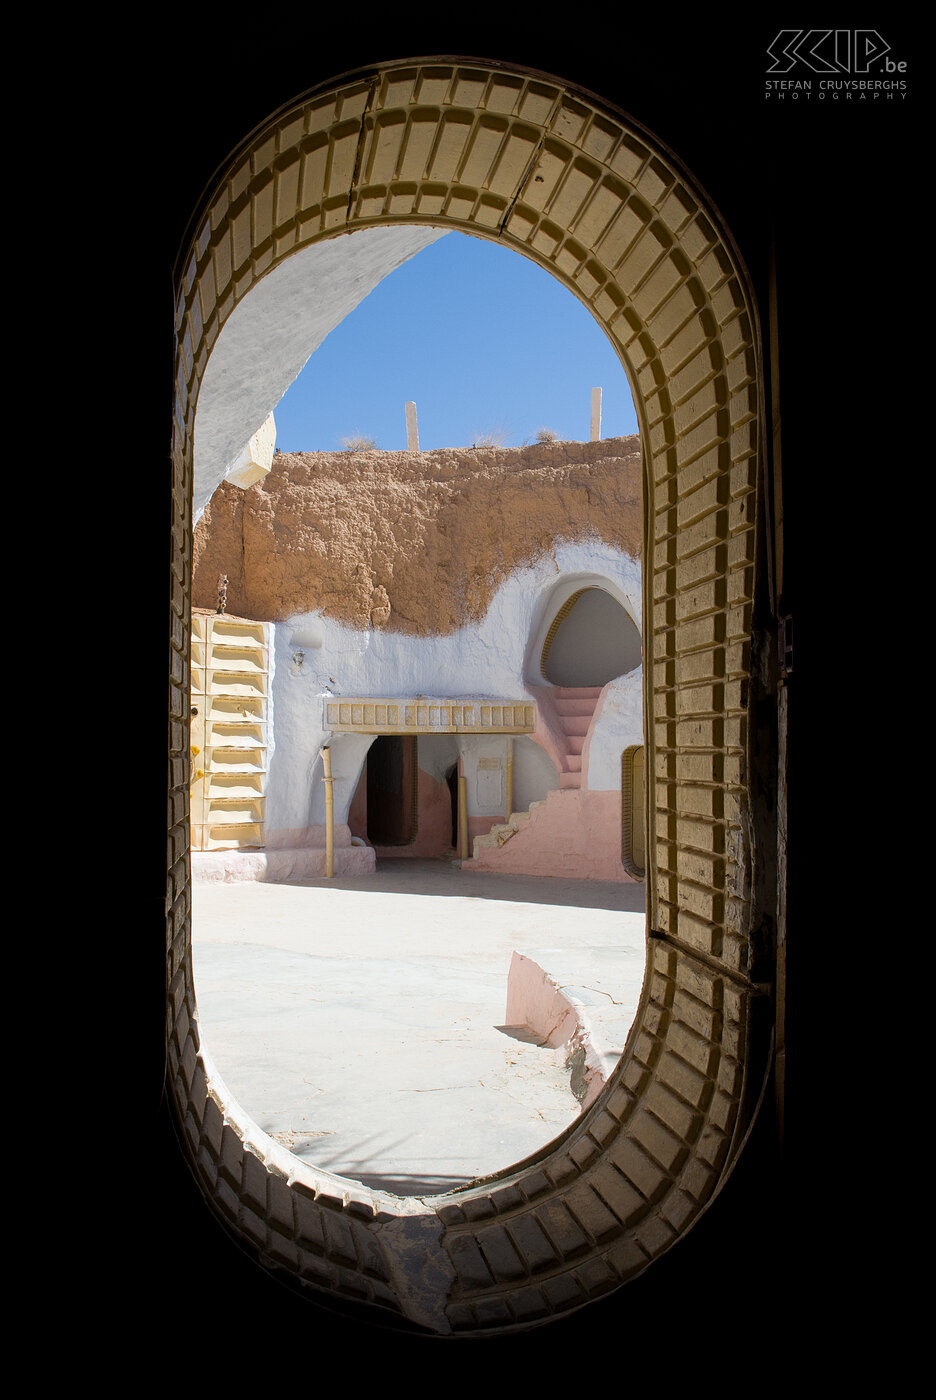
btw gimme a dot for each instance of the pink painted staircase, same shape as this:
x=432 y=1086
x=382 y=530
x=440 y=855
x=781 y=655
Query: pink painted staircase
x=562 y=831
x=575 y=706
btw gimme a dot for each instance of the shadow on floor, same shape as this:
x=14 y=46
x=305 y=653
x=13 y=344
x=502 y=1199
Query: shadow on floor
x=445 y=878
x=410 y=1185
x=347 y=1166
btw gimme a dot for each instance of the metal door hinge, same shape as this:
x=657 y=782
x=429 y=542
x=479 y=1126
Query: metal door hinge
x=785 y=646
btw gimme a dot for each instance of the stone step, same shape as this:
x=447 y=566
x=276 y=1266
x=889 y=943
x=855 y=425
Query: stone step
x=495 y=837
x=570 y=780
x=503 y=831
x=573 y=763
x=577 y=692
x=575 y=724
x=575 y=707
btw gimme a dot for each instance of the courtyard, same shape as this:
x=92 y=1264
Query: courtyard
x=361 y=1021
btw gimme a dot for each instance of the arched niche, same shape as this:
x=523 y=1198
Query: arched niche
x=591 y=641
x=558 y=601
x=561 y=177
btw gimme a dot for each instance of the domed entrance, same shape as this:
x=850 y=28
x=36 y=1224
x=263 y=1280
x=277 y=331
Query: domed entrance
x=591 y=641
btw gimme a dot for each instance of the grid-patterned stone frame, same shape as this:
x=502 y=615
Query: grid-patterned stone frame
x=427 y=715
x=565 y=179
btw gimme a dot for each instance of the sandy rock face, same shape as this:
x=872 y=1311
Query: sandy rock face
x=410 y=542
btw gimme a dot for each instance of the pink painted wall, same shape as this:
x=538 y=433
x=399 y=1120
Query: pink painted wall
x=434 y=829
x=574 y=833
x=480 y=826
x=434 y=826
x=357 y=812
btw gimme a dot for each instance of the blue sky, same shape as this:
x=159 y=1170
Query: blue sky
x=480 y=338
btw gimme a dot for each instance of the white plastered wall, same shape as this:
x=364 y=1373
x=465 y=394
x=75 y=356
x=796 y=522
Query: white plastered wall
x=270 y=335
x=534 y=773
x=619 y=724
x=316 y=658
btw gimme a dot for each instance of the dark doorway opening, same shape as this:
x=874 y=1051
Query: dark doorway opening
x=451 y=779
x=391 y=790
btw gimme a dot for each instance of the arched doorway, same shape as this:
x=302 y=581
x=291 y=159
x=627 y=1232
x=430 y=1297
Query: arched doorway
x=551 y=172
x=392 y=771
x=590 y=642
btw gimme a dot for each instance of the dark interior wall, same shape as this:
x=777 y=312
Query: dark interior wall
x=391 y=790
x=824 y=191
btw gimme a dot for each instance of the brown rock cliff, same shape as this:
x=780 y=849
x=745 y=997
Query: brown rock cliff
x=413 y=542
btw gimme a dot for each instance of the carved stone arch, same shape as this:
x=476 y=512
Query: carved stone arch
x=552 y=173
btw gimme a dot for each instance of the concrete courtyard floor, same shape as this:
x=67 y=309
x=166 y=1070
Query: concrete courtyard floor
x=360 y=1021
